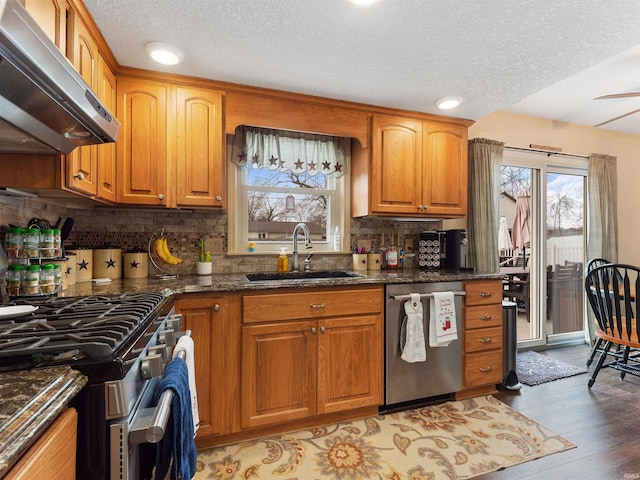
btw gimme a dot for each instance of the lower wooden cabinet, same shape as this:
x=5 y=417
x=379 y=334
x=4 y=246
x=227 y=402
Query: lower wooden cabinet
x=328 y=360
x=215 y=327
x=53 y=456
x=483 y=349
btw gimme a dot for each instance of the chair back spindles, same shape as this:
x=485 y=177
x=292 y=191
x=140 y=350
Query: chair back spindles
x=611 y=291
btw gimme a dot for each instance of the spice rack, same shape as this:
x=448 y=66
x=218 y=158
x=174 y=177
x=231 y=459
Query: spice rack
x=31 y=254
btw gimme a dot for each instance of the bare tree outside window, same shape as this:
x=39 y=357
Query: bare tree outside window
x=268 y=215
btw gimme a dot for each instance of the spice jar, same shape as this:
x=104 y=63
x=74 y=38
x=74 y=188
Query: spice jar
x=14 y=279
x=14 y=242
x=46 y=244
x=57 y=242
x=31 y=243
x=47 y=279
x=31 y=282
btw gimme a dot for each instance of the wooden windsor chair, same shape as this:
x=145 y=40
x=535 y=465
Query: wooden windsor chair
x=611 y=292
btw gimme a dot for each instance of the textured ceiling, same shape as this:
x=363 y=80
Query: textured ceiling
x=525 y=56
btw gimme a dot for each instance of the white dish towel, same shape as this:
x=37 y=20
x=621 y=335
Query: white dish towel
x=414 y=349
x=185 y=343
x=442 y=324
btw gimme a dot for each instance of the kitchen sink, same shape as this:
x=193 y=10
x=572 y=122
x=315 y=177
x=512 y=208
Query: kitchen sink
x=320 y=274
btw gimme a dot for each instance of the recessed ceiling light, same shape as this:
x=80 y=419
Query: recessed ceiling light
x=448 y=102
x=164 y=53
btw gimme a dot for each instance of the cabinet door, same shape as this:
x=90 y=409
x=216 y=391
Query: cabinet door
x=53 y=456
x=444 y=173
x=51 y=16
x=106 y=162
x=396 y=165
x=349 y=363
x=201 y=317
x=199 y=148
x=142 y=142
x=278 y=372
x=81 y=164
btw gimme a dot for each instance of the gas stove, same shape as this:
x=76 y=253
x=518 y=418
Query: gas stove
x=122 y=344
x=78 y=331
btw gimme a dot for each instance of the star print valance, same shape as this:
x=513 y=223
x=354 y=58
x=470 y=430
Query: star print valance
x=286 y=150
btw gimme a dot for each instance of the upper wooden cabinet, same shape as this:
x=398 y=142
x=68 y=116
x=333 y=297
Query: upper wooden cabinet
x=142 y=142
x=414 y=168
x=169 y=132
x=51 y=16
x=199 y=158
x=106 y=160
x=82 y=163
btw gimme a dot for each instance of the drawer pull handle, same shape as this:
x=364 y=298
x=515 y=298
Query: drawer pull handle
x=484 y=340
x=486 y=294
x=485 y=317
x=317 y=305
x=485 y=369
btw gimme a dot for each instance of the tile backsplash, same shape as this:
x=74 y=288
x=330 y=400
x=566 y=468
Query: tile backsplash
x=130 y=228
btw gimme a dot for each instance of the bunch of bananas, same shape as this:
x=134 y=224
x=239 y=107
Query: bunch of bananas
x=161 y=250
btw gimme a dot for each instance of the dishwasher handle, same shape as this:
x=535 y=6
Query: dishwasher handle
x=460 y=293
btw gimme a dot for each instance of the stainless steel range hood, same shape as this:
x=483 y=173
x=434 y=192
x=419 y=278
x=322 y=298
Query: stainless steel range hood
x=45 y=105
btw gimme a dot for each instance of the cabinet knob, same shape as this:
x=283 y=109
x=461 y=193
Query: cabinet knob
x=216 y=307
x=79 y=176
x=323 y=329
x=313 y=330
x=420 y=207
x=218 y=198
x=160 y=196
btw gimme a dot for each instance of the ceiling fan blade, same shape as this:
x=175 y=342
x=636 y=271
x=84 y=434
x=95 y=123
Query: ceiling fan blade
x=619 y=95
x=618 y=118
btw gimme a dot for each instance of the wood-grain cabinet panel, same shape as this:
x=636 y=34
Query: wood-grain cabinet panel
x=482 y=356
x=319 y=363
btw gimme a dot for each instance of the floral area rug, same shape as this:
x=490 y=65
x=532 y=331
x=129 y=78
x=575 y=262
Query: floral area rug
x=453 y=440
x=534 y=369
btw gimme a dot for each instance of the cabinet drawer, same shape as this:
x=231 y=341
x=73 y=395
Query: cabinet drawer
x=483 y=293
x=482 y=368
x=313 y=304
x=482 y=339
x=483 y=316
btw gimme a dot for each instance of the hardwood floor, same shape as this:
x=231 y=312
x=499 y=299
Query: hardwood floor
x=603 y=422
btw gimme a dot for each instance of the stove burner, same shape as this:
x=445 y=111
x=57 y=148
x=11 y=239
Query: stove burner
x=71 y=328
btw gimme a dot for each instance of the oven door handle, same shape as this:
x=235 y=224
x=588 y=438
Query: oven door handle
x=150 y=424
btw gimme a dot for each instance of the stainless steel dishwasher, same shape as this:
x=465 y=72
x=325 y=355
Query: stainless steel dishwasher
x=441 y=373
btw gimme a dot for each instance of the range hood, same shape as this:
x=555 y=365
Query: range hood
x=45 y=105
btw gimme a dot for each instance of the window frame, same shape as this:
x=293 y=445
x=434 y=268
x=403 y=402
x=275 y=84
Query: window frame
x=338 y=214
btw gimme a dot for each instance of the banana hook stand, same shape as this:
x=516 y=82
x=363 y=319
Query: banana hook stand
x=158 y=233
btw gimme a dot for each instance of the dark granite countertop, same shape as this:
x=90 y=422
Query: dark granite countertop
x=30 y=400
x=233 y=282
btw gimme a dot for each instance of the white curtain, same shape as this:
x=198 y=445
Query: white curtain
x=284 y=150
x=485 y=157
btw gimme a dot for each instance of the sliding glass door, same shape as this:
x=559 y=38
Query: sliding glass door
x=544 y=264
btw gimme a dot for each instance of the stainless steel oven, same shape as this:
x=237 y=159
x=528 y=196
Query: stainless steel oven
x=121 y=343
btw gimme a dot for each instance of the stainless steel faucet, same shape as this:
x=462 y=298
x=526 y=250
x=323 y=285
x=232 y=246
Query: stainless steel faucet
x=307 y=243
